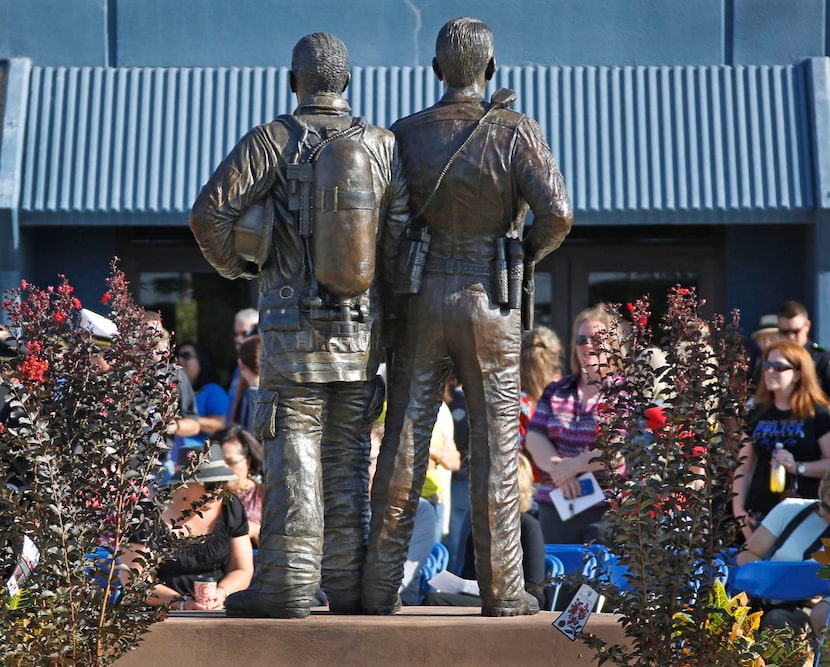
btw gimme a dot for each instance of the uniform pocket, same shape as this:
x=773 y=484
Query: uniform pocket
x=265 y=414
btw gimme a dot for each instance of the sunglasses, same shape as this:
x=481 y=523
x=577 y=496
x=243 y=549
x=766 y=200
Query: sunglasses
x=790 y=332
x=582 y=339
x=185 y=356
x=777 y=366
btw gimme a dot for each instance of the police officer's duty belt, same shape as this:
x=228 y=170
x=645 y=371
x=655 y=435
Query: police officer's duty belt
x=459 y=267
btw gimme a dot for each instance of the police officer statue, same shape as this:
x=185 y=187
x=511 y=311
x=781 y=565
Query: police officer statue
x=320 y=194
x=472 y=169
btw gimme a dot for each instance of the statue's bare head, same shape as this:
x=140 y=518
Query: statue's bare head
x=319 y=64
x=464 y=53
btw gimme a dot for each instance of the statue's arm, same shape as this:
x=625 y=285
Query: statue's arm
x=244 y=176
x=542 y=186
x=394 y=219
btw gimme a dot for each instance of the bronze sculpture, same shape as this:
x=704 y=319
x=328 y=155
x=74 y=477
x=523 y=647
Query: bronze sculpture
x=472 y=170
x=334 y=188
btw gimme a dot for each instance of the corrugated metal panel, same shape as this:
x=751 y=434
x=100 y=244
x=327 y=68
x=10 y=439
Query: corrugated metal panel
x=628 y=138
x=674 y=138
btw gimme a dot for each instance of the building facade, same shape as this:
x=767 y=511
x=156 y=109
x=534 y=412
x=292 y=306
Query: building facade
x=694 y=138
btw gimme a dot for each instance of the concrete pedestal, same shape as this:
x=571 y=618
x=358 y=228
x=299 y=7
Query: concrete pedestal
x=418 y=636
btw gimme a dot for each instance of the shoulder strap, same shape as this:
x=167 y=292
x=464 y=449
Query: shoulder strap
x=501 y=99
x=302 y=129
x=794 y=523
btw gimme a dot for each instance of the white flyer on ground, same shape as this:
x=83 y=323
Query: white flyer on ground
x=26 y=563
x=573 y=619
x=570 y=507
x=447 y=582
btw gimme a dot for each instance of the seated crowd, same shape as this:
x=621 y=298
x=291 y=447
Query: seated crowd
x=780 y=494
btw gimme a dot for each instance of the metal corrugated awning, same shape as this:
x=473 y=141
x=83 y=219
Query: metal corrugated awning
x=716 y=141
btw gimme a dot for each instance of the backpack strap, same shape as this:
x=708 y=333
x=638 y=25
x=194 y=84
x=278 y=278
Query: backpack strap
x=794 y=523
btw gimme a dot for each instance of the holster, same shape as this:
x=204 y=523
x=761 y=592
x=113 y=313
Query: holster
x=412 y=258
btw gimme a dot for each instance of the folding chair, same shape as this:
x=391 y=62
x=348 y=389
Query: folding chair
x=780 y=580
x=99 y=568
x=577 y=559
x=554 y=571
x=442 y=556
x=436 y=562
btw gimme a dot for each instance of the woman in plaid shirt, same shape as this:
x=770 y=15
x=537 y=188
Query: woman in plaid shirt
x=561 y=436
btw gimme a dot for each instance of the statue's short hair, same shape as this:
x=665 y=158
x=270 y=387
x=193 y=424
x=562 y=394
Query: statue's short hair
x=463 y=48
x=320 y=63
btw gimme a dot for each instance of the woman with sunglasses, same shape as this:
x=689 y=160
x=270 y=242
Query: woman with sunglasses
x=224 y=553
x=789 y=426
x=561 y=435
x=212 y=400
x=243 y=454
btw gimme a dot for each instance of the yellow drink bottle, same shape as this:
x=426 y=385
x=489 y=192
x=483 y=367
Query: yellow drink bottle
x=778 y=474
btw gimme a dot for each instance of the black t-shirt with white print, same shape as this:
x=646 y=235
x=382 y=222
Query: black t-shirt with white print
x=799 y=436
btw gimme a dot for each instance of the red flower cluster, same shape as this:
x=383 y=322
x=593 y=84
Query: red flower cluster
x=655 y=418
x=33 y=369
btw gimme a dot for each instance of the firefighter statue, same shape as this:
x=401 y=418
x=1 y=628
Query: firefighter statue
x=311 y=204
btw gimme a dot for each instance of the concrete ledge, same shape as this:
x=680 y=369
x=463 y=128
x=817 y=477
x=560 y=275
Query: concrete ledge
x=417 y=636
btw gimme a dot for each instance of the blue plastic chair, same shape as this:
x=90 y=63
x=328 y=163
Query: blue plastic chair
x=555 y=570
x=576 y=558
x=442 y=556
x=436 y=562
x=780 y=580
x=99 y=568
x=609 y=569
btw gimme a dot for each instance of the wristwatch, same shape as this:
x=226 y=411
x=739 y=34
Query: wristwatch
x=800 y=468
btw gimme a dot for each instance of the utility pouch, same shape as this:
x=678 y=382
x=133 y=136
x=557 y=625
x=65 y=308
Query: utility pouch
x=279 y=310
x=500 y=273
x=411 y=260
x=264 y=420
x=515 y=273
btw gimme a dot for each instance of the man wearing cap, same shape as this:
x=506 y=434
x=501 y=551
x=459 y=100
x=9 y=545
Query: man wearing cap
x=794 y=324
x=473 y=169
x=764 y=336
x=319 y=328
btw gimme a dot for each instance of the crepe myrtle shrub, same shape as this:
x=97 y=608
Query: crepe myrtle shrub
x=673 y=411
x=80 y=459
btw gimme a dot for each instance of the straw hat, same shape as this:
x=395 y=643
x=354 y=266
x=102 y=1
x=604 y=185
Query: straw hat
x=212 y=469
x=767 y=325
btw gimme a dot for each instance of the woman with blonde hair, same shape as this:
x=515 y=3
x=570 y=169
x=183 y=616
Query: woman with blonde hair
x=789 y=427
x=539 y=365
x=561 y=436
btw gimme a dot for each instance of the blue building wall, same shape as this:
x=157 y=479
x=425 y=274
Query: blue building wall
x=402 y=32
